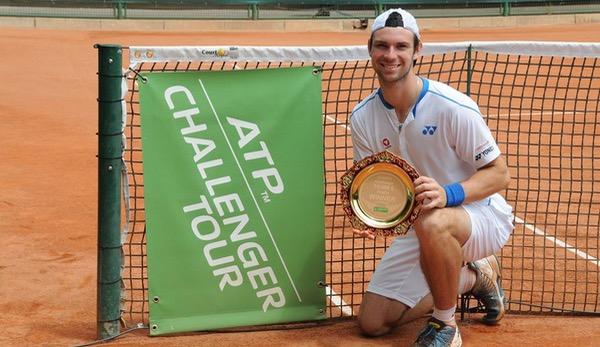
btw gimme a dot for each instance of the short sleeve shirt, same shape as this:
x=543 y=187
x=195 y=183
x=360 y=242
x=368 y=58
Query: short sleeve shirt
x=444 y=136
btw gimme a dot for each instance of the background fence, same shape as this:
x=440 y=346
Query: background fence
x=285 y=9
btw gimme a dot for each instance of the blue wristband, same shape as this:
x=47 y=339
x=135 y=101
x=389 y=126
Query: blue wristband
x=455 y=194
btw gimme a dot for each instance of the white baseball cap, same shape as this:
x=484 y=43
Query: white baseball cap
x=396 y=17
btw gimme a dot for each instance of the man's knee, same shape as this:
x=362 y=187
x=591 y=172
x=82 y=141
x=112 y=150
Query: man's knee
x=443 y=225
x=379 y=315
x=372 y=326
x=432 y=227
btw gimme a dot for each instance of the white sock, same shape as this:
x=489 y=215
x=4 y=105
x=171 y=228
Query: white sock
x=446 y=316
x=466 y=280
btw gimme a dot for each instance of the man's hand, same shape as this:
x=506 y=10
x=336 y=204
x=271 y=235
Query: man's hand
x=429 y=193
x=364 y=233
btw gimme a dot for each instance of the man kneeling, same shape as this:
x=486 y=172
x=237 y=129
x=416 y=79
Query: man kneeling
x=441 y=132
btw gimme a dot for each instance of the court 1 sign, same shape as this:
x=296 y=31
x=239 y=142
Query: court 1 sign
x=234 y=197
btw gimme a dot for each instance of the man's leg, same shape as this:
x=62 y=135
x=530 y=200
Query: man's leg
x=396 y=284
x=488 y=288
x=380 y=315
x=485 y=241
x=441 y=234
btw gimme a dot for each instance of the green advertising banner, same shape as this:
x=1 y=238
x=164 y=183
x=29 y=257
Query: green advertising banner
x=234 y=197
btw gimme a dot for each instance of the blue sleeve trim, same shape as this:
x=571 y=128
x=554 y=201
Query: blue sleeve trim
x=363 y=103
x=456 y=102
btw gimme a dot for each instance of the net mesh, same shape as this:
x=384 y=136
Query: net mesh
x=544 y=114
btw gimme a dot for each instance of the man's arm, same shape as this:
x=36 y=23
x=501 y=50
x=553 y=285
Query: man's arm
x=360 y=147
x=492 y=178
x=488 y=180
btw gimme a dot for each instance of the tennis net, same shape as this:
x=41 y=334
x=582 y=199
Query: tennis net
x=541 y=101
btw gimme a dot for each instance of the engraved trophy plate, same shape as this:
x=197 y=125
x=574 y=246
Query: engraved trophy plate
x=378 y=194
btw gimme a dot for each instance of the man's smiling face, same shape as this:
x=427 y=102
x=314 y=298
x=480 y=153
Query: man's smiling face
x=392 y=52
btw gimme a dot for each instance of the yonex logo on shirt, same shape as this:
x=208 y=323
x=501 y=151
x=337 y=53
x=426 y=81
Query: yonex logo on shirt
x=429 y=129
x=485 y=152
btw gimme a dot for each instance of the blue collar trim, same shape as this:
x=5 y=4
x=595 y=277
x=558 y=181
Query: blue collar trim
x=424 y=91
x=385 y=103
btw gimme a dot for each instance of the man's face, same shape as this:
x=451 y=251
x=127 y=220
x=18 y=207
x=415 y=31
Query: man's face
x=392 y=53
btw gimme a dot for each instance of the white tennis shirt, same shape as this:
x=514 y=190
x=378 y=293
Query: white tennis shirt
x=444 y=136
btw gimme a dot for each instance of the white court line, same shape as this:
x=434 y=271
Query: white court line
x=540 y=113
x=333 y=296
x=338 y=301
x=500 y=115
x=558 y=242
x=337 y=122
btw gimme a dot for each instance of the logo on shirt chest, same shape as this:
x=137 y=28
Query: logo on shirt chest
x=429 y=129
x=386 y=143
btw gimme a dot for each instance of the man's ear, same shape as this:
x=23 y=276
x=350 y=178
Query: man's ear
x=418 y=49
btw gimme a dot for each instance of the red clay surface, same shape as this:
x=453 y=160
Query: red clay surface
x=48 y=188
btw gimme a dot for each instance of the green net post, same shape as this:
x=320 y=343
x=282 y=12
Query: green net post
x=117 y=5
x=506 y=8
x=109 y=189
x=254 y=11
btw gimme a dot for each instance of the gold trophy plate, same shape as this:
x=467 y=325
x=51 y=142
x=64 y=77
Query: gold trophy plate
x=378 y=194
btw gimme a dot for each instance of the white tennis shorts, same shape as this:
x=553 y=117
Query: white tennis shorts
x=399 y=276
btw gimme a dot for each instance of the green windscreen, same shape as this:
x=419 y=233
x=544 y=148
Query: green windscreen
x=234 y=195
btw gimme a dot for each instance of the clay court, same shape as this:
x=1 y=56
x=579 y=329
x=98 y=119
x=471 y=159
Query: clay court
x=48 y=192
